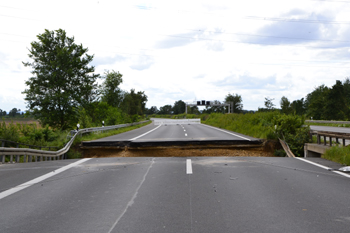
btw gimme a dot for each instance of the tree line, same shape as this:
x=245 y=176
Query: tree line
x=323 y=103
x=179 y=107
x=63 y=90
x=12 y=113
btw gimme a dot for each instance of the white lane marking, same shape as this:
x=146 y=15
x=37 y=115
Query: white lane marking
x=39 y=179
x=185 y=134
x=131 y=202
x=145 y=133
x=188 y=166
x=324 y=167
x=227 y=132
x=184 y=130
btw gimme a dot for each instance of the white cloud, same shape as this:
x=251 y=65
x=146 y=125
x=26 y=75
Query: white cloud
x=188 y=49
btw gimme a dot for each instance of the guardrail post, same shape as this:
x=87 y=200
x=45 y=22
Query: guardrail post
x=330 y=141
x=324 y=140
x=3 y=159
x=11 y=158
x=24 y=158
x=35 y=158
x=17 y=156
x=343 y=141
x=318 y=139
x=29 y=159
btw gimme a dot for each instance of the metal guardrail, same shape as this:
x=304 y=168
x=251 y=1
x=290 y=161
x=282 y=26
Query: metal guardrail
x=32 y=155
x=286 y=149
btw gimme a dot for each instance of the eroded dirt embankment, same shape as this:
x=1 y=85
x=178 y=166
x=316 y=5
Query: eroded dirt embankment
x=175 y=152
x=266 y=150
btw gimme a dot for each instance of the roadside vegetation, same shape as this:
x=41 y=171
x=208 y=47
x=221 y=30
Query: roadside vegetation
x=63 y=92
x=338 y=154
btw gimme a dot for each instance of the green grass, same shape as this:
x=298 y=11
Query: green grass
x=103 y=134
x=258 y=125
x=338 y=154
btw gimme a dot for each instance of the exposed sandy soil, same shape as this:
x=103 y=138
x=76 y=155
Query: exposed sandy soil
x=176 y=152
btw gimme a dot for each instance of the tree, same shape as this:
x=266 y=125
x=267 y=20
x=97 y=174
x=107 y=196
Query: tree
x=315 y=102
x=134 y=103
x=192 y=110
x=235 y=102
x=299 y=106
x=2 y=113
x=62 y=79
x=179 y=107
x=166 y=109
x=286 y=105
x=111 y=93
x=13 y=112
x=217 y=109
x=152 y=110
x=336 y=107
x=268 y=103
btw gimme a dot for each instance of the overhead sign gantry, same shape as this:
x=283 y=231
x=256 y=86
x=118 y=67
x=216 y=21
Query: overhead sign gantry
x=206 y=103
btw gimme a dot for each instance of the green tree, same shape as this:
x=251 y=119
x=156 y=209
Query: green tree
x=111 y=92
x=13 y=112
x=179 y=107
x=286 y=105
x=336 y=107
x=299 y=106
x=62 y=79
x=315 y=102
x=152 y=110
x=166 y=109
x=268 y=103
x=192 y=110
x=235 y=102
x=134 y=102
x=217 y=109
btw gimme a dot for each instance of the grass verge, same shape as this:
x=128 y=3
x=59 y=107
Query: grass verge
x=338 y=154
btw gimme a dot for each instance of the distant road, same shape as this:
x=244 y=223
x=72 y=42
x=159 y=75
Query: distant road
x=207 y=194
x=330 y=129
x=174 y=133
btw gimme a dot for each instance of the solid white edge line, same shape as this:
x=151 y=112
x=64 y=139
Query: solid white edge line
x=324 y=167
x=227 y=132
x=188 y=166
x=39 y=179
x=145 y=133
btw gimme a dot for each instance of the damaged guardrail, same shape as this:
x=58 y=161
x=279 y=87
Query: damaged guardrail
x=32 y=155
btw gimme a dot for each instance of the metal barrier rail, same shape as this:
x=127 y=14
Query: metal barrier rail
x=176 y=121
x=39 y=155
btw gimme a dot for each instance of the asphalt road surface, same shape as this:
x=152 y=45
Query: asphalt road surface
x=180 y=132
x=177 y=194
x=216 y=194
x=330 y=129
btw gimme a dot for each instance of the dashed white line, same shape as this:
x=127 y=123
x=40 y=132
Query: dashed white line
x=185 y=134
x=188 y=166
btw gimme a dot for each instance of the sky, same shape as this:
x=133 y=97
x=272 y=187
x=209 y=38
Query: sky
x=188 y=50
